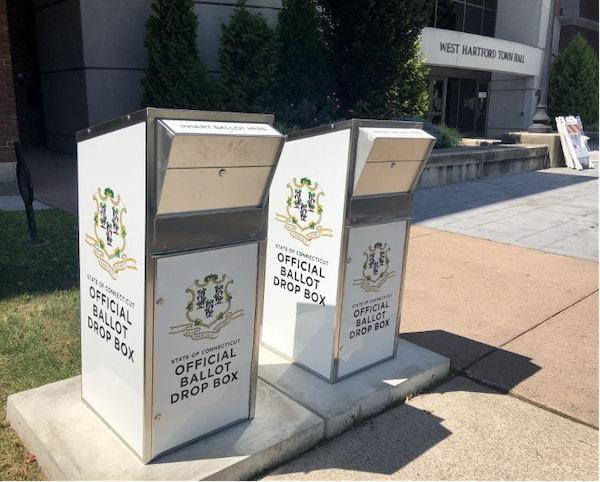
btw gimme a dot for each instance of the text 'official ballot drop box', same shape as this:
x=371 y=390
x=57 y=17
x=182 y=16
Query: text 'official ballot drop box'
x=171 y=223
x=339 y=208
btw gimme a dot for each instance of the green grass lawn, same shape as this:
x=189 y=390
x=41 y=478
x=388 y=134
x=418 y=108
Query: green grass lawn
x=39 y=318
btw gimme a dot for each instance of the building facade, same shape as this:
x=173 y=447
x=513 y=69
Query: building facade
x=81 y=62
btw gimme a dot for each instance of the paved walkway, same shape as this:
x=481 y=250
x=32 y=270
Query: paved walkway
x=502 y=277
x=520 y=326
x=15 y=203
x=555 y=210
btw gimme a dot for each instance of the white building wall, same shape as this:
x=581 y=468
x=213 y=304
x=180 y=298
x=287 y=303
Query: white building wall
x=513 y=99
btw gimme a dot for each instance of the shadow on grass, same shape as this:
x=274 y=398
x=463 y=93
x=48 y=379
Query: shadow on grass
x=37 y=268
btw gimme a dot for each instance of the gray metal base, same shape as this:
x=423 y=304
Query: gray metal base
x=361 y=395
x=71 y=443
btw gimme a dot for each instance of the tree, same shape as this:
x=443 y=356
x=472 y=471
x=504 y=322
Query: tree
x=247 y=55
x=374 y=53
x=303 y=87
x=175 y=77
x=573 y=86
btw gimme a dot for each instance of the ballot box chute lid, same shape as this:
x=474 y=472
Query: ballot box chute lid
x=389 y=159
x=213 y=165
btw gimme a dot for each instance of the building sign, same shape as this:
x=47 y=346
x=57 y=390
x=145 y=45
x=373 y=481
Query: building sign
x=449 y=48
x=475 y=51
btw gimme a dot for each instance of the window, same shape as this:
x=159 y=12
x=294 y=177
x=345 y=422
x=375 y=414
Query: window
x=471 y=16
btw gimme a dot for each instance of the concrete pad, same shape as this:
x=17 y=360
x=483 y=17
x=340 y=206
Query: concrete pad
x=460 y=431
x=566 y=350
x=465 y=296
x=344 y=403
x=72 y=443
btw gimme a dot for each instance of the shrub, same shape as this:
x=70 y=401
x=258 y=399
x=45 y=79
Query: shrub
x=247 y=55
x=303 y=82
x=375 y=57
x=175 y=77
x=448 y=137
x=573 y=86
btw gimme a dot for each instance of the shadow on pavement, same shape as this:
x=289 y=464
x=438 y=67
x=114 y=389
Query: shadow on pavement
x=439 y=201
x=381 y=448
x=399 y=436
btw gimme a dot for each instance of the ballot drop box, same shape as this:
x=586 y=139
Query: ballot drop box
x=339 y=208
x=171 y=226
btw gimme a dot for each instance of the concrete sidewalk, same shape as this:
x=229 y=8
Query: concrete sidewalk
x=521 y=329
x=555 y=210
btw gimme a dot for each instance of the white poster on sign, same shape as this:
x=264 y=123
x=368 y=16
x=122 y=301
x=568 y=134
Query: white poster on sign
x=203 y=342
x=371 y=295
x=306 y=214
x=573 y=141
x=112 y=216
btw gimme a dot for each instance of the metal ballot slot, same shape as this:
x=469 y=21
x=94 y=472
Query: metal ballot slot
x=172 y=224
x=339 y=211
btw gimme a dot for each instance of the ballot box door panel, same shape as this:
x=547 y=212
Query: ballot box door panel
x=371 y=295
x=203 y=342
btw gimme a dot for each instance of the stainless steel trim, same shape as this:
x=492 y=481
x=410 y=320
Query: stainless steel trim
x=346 y=124
x=353 y=143
x=379 y=209
x=422 y=168
x=402 y=279
x=258 y=316
x=150 y=280
x=149 y=114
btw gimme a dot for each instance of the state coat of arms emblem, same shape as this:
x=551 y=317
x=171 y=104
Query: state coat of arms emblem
x=110 y=234
x=304 y=211
x=375 y=268
x=209 y=308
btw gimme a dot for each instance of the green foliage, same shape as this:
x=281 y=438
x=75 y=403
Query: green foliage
x=175 y=77
x=374 y=54
x=448 y=137
x=573 y=86
x=303 y=86
x=248 y=58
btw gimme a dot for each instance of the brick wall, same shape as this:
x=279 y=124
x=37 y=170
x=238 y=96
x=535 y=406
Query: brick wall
x=8 y=112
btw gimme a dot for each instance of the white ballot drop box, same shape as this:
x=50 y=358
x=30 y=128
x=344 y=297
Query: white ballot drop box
x=339 y=209
x=172 y=223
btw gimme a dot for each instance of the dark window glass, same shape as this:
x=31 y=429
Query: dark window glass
x=481 y=108
x=489 y=23
x=491 y=4
x=459 y=16
x=449 y=15
x=473 y=19
x=476 y=2
x=466 y=104
x=452 y=102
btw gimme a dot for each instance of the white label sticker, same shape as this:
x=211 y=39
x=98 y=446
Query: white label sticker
x=220 y=128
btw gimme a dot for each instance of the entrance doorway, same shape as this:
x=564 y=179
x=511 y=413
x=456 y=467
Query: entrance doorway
x=460 y=103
